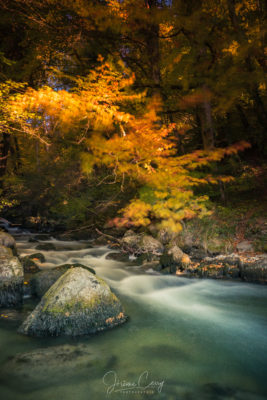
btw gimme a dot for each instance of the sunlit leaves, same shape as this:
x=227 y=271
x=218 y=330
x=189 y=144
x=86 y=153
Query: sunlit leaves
x=97 y=114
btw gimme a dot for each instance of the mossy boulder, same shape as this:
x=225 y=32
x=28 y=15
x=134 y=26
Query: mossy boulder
x=78 y=303
x=37 y=256
x=43 y=280
x=29 y=262
x=11 y=280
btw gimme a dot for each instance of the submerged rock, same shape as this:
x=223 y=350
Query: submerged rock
x=121 y=257
x=11 y=281
x=78 y=303
x=46 y=247
x=43 y=280
x=54 y=365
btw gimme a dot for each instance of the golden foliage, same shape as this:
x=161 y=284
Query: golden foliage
x=140 y=147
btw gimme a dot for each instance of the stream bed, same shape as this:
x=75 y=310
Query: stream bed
x=185 y=339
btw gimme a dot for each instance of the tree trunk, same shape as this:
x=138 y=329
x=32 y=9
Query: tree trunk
x=4 y=151
x=153 y=49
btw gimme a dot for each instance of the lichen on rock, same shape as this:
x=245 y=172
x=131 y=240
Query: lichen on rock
x=43 y=280
x=78 y=303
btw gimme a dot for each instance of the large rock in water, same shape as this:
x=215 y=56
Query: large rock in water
x=43 y=280
x=11 y=279
x=78 y=303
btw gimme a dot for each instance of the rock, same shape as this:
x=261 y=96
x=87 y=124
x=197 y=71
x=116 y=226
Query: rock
x=5 y=251
x=42 y=237
x=217 y=245
x=166 y=271
x=46 y=247
x=32 y=240
x=122 y=257
x=231 y=259
x=151 y=265
x=38 y=256
x=176 y=253
x=43 y=280
x=29 y=264
x=78 y=303
x=166 y=261
x=8 y=241
x=244 y=246
x=165 y=236
x=145 y=258
x=254 y=269
x=55 y=364
x=11 y=281
x=130 y=241
x=197 y=254
x=150 y=245
x=138 y=244
x=174 y=258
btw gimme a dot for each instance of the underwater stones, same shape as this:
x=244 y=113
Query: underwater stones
x=43 y=280
x=54 y=364
x=11 y=281
x=78 y=303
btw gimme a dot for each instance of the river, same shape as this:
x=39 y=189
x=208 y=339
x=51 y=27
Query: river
x=185 y=338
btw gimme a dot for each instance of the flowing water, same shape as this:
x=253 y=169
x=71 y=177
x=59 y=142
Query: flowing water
x=185 y=339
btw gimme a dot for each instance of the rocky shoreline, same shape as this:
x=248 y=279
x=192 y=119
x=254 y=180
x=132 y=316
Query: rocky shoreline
x=166 y=257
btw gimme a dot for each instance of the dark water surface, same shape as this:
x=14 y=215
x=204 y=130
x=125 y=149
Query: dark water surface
x=185 y=339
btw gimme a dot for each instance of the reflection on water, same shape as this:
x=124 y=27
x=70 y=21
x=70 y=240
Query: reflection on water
x=199 y=339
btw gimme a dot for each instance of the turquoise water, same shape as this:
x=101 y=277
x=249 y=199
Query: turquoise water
x=185 y=339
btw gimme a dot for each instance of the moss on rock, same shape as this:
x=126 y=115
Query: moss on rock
x=43 y=280
x=78 y=303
